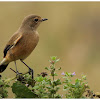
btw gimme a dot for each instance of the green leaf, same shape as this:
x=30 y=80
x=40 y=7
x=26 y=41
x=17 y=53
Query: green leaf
x=48 y=87
x=0 y=96
x=59 y=68
x=57 y=60
x=55 y=74
x=65 y=86
x=53 y=57
x=35 y=87
x=84 y=77
x=57 y=96
x=77 y=83
x=57 y=82
x=39 y=79
x=1 y=82
x=21 y=91
x=68 y=74
x=46 y=68
x=7 y=85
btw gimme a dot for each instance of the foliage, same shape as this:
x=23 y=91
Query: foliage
x=3 y=88
x=77 y=89
x=47 y=85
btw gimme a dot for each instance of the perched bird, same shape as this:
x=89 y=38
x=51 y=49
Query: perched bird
x=22 y=42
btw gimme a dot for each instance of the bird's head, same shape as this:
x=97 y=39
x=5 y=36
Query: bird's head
x=32 y=21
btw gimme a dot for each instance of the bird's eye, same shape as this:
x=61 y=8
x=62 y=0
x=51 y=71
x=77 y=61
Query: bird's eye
x=35 y=20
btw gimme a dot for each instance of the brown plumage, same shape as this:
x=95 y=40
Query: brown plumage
x=22 y=42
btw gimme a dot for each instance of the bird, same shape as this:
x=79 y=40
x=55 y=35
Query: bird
x=22 y=42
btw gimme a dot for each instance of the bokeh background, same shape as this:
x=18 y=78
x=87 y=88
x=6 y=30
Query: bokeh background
x=72 y=33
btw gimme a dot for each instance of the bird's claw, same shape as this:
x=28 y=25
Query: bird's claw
x=19 y=76
x=31 y=72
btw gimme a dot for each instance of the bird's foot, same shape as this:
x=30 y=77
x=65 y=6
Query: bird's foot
x=19 y=76
x=17 y=73
x=31 y=72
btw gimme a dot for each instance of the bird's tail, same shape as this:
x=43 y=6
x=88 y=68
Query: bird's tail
x=3 y=65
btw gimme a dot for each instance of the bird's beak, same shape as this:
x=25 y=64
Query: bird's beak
x=44 y=19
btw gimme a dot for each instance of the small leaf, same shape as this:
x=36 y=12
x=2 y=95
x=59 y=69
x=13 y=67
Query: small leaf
x=49 y=61
x=57 y=60
x=57 y=96
x=7 y=85
x=35 y=87
x=57 y=82
x=84 y=77
x=1 y=82
x=46 y=68
x=65 y=86
x=55 y=74
x=77 y=83
x=53 y=57
x=59 y=68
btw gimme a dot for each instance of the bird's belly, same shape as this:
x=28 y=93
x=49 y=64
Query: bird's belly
x=25 y=51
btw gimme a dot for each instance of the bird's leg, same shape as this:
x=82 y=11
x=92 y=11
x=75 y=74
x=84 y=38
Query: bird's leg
x=30 y=70
x=16 y=68
x=17 y=73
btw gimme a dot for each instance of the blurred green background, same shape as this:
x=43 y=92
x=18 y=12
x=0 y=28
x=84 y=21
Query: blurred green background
x=72 y=33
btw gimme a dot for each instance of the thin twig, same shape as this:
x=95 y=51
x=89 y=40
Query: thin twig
x=13 y=70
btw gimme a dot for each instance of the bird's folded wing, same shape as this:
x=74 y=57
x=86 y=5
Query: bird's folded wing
x=11 y=44
x=17 y=40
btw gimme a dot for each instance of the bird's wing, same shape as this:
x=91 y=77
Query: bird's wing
x=12 y=43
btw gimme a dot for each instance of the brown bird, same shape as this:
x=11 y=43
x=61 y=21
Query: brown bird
x=22 y=42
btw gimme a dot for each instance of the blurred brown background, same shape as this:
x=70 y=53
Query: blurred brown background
x=72 y=33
